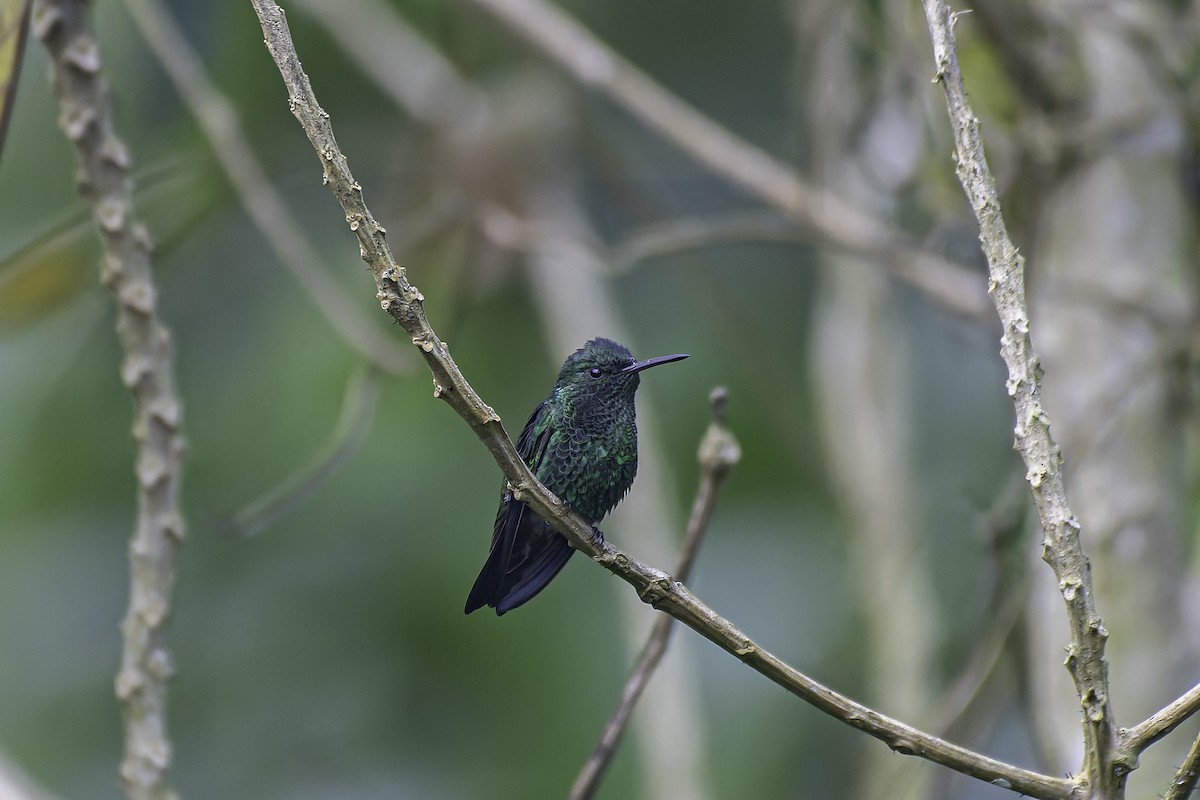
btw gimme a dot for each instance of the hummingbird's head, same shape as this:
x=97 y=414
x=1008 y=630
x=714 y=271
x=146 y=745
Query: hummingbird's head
x=603 y=370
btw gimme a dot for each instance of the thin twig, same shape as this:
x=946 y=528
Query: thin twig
x=1000 y=525
x=1104 y=768
x=85 y=116
x=772 y=181
x=688 y=233
x=1159 y=724
x=719 y=453
x=404 y=302
x=262 y=201
x=357 y=414
x=979 y=667
x=1184 y=782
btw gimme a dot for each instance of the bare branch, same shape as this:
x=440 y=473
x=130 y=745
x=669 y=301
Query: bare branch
x=85 y=117
x=259 y=197
x=404 y=302
x=1104 y=769
x=718 y=455
x=1146 y=733
x=697 y=232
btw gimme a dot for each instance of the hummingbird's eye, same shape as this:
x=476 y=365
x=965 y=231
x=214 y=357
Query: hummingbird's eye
x=595 y=372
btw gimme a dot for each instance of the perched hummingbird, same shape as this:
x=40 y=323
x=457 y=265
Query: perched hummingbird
x=581 y=442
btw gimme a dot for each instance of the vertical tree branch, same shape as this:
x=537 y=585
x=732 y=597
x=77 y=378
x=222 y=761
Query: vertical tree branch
x=85 y=117
x=1061 y=546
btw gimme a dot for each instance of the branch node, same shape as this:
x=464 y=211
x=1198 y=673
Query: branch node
x=110 y=215
x=83 y=54
x=657 y=590
x=45 y=21
x=1094 y=704
x=127 y=683
x=160 y=664
x=745 y=650
x=76 y=120
x=1071 y=588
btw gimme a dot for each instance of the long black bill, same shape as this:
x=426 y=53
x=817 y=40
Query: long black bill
x=638 y=366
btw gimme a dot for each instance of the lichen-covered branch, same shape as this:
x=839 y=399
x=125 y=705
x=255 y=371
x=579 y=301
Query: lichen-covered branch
x=1104 y=769
x=85 y=117
x=403 y=302
x=718 y=454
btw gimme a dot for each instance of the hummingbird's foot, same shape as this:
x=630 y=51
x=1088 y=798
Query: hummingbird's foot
x=597 y=535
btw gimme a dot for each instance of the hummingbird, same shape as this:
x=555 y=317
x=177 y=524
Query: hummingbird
x=581 y=443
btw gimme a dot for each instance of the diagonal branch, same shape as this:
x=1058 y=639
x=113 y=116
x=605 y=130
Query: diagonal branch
x=404 y=302
x=353 y=422
x=86 y=118
x=719 y=454
x=427 y=87
x=1146 y=733
x=773 y=182
x=1104 y=768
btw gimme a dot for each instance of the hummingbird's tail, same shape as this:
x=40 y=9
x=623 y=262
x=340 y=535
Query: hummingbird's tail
x=518 y=568
x=534 y=577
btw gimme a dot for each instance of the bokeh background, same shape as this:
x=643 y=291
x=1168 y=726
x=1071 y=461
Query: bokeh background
x=877 y=532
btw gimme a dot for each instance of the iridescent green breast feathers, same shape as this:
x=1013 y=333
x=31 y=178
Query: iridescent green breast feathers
x=581 y=442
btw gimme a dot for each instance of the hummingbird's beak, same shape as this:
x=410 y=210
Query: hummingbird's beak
x=638 y=366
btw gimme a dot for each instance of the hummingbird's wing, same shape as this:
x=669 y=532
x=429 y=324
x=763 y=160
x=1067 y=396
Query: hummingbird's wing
x=540 y=559
x=526 y=551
